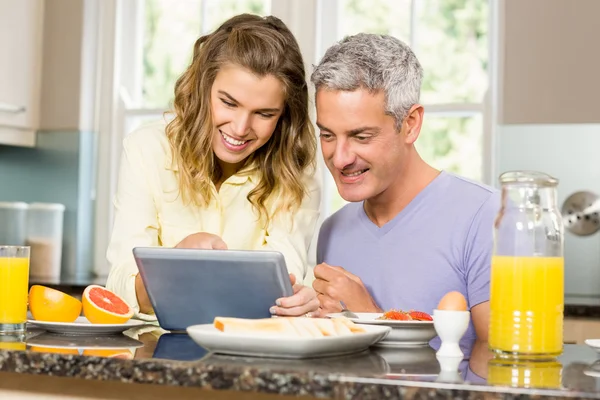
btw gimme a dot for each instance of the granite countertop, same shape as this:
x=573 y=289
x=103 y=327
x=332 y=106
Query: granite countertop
x=151 y=356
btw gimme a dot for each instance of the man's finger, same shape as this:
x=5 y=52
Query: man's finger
x=328 y=304
x=327 y=272
x=323 y=287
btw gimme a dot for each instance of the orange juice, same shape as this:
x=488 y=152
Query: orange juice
x=532 y=374
x=13 y=346
x=526 y=305
x=14 y=279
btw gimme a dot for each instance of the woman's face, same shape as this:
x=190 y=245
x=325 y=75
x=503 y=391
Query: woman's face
x=245 y=111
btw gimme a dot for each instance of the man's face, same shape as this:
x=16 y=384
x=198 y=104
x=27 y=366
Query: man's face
x=361 y=146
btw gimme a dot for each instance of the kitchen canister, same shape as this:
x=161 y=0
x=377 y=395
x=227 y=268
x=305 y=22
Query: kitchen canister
x=13 y=223
x=45 y=238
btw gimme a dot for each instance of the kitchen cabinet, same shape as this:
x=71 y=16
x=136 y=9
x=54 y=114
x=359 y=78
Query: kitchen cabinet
x=21 y=37
x=577 y=330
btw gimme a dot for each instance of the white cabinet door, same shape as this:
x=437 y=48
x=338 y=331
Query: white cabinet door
x=21 y=34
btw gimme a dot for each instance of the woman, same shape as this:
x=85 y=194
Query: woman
x=235 y=168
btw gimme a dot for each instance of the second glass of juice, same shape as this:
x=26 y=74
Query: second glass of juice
x=14 y=281
x=527 y=271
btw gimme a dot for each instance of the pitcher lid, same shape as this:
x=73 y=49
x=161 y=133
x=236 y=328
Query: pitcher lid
x=528 y=177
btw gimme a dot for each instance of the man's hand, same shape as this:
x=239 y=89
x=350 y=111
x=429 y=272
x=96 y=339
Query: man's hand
x=335 y=284
x=202 y=240
x=302 y=302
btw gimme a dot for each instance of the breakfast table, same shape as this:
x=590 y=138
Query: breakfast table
x=147 y=362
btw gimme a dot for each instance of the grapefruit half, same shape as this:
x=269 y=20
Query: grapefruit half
x=101 y=306
x=47 y=304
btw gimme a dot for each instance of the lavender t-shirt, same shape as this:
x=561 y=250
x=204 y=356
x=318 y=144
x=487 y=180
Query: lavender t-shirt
x=442 y=241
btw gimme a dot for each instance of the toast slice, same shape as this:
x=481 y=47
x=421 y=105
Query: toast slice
x=288 y=326
x=274 y=326
x=307 y=325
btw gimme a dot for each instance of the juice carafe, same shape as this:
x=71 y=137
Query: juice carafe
x=527 y=271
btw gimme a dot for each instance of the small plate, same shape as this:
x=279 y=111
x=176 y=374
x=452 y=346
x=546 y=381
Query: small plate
x=82 y=326
x=269 y=346
x=593 y=343
x=403 y=334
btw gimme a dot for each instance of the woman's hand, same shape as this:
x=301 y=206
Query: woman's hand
x=303 y=302
x=202 y=240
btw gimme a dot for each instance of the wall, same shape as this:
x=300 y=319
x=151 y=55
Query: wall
x=58 y=170
x=570 y=153
x=61 y=168
x=549 y=67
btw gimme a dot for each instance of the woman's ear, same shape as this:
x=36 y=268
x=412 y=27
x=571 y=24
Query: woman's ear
x=411 y=126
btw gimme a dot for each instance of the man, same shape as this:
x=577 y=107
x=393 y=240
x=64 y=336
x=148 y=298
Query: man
x=411 y=233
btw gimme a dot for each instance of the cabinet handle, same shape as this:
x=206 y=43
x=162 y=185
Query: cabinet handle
x=9 y=108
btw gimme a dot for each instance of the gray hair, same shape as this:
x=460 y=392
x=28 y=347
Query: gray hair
x=373 y=62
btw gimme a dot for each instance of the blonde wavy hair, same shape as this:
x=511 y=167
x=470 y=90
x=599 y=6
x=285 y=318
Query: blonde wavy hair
x=265 y=46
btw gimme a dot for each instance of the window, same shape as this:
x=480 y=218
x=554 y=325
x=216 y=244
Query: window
x=153 y=42
x=170 y=29
x=450 y=38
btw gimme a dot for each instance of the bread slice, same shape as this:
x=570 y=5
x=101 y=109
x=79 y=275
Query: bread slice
x=326 y=326
x=288 y=326
x=275 y=326
x=307 y=325
x=354 y=328
x=340 y=327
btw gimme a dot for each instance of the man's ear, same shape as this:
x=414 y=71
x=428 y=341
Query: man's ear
x=411 y=126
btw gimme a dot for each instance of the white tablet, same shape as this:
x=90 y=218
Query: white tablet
x=188 y=286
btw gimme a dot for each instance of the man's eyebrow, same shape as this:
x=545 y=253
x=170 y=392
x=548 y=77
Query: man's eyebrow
x=363 y=129
x=321 y=127
x=233 y=100
x=354 y=132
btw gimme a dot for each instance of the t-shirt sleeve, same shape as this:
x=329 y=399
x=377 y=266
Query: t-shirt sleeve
x=323 y=239
x=478 y=251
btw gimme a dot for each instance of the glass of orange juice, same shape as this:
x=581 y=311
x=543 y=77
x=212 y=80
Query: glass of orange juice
x=14 y=281
x=527 y=269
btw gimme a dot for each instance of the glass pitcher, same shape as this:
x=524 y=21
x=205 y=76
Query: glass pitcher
x=527 y=271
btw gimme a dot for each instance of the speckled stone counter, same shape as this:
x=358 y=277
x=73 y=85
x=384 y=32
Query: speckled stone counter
x=175 y=360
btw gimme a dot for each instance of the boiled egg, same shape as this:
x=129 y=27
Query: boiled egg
x=453 y=301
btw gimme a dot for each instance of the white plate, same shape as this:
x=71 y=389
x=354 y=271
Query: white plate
x=594 y=344
x=403 y=334
x=82 y=326
x=216 y=341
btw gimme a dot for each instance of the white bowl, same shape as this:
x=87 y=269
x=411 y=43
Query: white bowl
x=403 y=333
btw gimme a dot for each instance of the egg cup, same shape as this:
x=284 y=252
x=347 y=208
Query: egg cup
x=450 y=326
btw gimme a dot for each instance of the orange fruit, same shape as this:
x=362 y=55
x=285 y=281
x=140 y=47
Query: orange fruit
x=47 y=304
x=60 y=350
x=101 y=306
x=110 y=353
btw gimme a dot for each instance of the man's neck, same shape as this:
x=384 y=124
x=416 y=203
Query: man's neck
x=415 y=177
